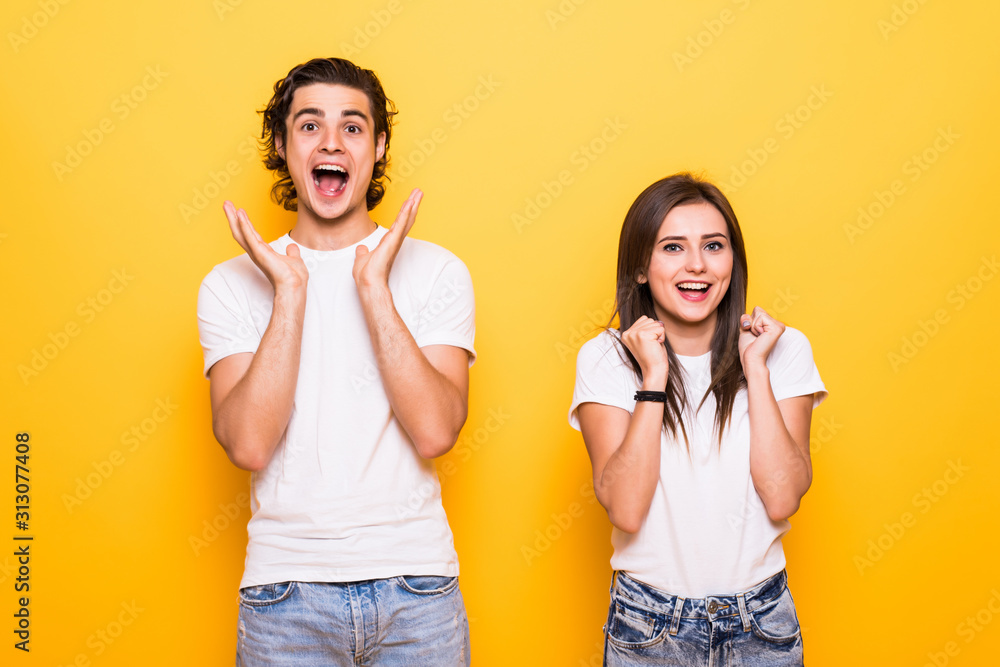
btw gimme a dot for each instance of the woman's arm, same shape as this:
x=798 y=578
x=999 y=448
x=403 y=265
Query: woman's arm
x=780 y=465
x=625 y=450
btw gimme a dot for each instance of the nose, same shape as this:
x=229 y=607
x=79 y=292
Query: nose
x=695 y=261
x=331 y=142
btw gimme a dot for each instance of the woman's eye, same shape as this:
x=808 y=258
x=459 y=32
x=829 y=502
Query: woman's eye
x=714 y=245
x=671 y=247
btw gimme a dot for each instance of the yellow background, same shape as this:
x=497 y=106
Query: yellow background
x=647 y=89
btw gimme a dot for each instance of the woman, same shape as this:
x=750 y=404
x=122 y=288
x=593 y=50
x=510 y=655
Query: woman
x=696 y=418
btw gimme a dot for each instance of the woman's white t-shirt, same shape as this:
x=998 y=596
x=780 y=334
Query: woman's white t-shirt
x=707 y=532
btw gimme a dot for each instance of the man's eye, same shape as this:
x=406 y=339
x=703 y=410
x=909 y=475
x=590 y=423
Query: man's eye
x=308 y=127
x=354 y=129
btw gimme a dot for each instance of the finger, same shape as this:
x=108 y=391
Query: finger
x=360 y=251
x=234 y=223
x=745 y=323
x=248 y=226
x=407 y=216
x=293 y=250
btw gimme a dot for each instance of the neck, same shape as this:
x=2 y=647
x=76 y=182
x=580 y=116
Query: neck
x=690 y=339
x=318 y=233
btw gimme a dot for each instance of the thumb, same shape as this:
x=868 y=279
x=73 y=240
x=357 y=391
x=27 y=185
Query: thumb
x=293 y=251
x=360 y=251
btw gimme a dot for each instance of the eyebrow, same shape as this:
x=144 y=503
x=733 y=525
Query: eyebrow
x=684 y=238
x=321 y=114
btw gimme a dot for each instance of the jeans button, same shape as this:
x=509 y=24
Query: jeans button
x=713 y=607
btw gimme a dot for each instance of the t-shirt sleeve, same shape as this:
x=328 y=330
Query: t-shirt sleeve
x=224 y=326
x=601 y=377
x=448 y=317
x=793 y=371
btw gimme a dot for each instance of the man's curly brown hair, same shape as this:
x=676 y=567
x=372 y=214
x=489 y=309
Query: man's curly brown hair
x=332 y=71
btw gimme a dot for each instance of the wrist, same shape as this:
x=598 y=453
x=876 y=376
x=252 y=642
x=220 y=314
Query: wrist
x=654 y=381
x=290 y=295
x=757 y=373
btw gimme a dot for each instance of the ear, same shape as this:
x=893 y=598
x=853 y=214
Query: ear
x=380 y=146
x=640 y=278
x=279 y=145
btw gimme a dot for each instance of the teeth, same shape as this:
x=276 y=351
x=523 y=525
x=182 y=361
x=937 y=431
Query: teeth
x=330 y=167
x=693 y=285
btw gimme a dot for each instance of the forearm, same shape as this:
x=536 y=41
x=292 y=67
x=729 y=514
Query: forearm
x=626 y=485
x=429 y=407
x=250 y=421
x=780 y=470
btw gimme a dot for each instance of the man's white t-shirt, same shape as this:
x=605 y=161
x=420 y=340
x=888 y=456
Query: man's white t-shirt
x=707 y=532
x=346 y=496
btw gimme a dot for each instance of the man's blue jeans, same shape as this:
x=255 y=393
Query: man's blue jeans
x=407 y=620
x=755 y=628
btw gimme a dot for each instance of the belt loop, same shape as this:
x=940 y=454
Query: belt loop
x=744 y=616
x=675 y=621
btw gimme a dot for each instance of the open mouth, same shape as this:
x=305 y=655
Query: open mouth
x=693 y=291
x=330 y=179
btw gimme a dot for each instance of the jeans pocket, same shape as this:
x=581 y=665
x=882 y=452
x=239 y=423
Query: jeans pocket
x=427 y=585
x=266 y=595
x=630 y=627
x=776 y=621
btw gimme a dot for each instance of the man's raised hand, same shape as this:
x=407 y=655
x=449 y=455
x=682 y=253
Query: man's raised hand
x=371 y=267
x=283 y=271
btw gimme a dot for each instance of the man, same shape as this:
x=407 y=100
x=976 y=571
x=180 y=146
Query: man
x=338 y=357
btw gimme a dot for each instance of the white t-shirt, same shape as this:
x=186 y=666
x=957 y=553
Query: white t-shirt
x=346 y=496
x=707 y=532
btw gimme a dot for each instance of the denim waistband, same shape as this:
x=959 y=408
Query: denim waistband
x=712 y=607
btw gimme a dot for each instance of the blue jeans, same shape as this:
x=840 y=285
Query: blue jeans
x=647 y=626
x=407 y=620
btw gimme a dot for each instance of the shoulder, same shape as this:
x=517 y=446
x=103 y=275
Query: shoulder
x=240 y=274
x=792 y=344
x=602 y=349
x=423 y=261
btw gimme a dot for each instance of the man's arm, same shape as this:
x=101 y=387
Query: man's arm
x=252 y=394
x=428 y=388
